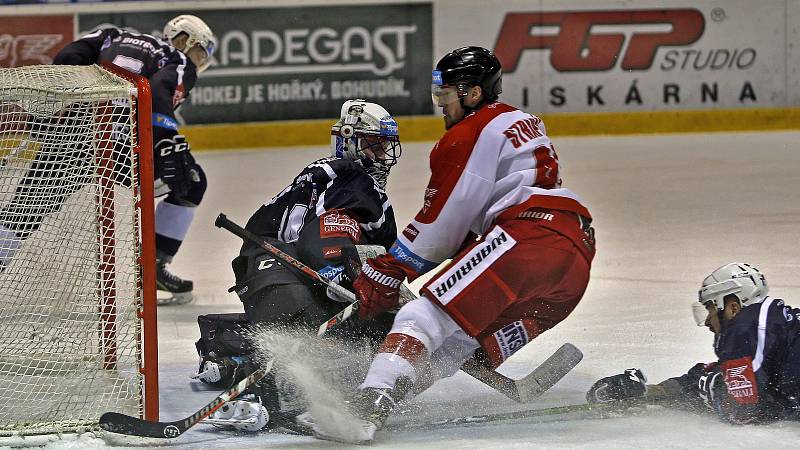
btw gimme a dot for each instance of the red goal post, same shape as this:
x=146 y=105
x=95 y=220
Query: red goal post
x=147 y=257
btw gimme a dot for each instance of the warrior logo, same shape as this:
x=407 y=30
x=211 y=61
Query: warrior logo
x=471 y=265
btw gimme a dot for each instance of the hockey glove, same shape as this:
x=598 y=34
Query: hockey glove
x=378 y=286
x=628 y=385
x=709 y=386
x=175 y=165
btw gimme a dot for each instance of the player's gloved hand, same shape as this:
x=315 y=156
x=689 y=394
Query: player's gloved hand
x=708 y=387
x=378 y=286
x=175 y=164
x=628 y=385
x=713 y=391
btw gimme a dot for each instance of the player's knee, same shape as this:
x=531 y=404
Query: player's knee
x=424 y=321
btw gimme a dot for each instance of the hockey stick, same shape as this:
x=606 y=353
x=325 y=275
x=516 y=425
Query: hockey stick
x=223 y=222
x=523 y=390
x=585 y=409
x=134 y=426
x=533 y=385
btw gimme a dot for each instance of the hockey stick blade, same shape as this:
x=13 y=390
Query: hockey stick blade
x=548 y=373
x=534 y=384
x=133 y=426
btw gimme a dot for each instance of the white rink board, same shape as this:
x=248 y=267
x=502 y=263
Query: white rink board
x=742 y=42
x=746 y=55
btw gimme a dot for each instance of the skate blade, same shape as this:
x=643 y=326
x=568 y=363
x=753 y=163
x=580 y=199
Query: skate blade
x=165 y=298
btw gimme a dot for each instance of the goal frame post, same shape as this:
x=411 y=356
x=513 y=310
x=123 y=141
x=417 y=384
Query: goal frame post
x=147 y=257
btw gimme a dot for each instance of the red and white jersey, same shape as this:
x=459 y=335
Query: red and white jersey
x=494 y=159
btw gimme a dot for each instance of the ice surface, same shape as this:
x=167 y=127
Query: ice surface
x=668 y=210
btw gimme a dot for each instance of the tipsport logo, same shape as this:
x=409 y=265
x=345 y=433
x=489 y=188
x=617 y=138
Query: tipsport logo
x=596 y=40
x=388 y=127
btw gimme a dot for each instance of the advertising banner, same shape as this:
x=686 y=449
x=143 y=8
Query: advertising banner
x=601 y=55
x=284 y=63
x=28 y=40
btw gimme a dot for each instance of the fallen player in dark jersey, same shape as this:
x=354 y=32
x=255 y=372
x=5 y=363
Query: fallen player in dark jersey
x=756 y=378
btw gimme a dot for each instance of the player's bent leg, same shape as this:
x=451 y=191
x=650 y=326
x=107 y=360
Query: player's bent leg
x=518 y=273
x=419 y=329
x=53 y=176
x=173 y=218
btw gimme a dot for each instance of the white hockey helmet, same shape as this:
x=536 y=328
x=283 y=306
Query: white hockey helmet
x=744 y=281
x=198 y=34
x=367 y=126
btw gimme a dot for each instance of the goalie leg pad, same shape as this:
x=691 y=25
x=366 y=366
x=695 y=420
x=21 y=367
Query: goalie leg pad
x=222 y=335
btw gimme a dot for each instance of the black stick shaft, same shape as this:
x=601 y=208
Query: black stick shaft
x=223 y=222
x=134 y=426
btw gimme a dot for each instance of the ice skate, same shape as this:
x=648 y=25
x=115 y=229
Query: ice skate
x=247 y=414
x=173 y=290
x=369 y=411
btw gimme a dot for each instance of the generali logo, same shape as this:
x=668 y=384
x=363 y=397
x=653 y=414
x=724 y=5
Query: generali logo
x=596 y=40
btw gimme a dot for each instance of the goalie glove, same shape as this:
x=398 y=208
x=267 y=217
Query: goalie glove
x=630 y=384
x=175 y=165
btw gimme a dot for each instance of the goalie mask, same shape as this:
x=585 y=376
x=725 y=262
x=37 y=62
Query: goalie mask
x=199 y=34
x=367 y=133
x=744 y=281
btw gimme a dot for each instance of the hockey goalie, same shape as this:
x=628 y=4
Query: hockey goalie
x=334 y=209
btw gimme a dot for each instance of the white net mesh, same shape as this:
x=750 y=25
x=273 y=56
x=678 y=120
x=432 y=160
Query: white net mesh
x=69 y=289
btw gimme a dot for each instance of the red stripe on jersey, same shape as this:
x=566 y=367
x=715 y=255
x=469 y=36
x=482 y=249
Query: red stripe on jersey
x=407 y=347
x=449 y=158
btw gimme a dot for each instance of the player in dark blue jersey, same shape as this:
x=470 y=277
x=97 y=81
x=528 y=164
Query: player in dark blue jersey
x=334 y=209
x=171 y=65
x=756 y=378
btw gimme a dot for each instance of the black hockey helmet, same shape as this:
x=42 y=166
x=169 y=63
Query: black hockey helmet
x=471 y=66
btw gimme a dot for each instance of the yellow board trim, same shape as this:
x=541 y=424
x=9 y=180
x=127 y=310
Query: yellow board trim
x=430 y=128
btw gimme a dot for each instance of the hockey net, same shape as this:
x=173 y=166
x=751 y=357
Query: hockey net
x=77 y=287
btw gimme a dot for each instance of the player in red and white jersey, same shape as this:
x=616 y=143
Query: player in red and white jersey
x=521 y=245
